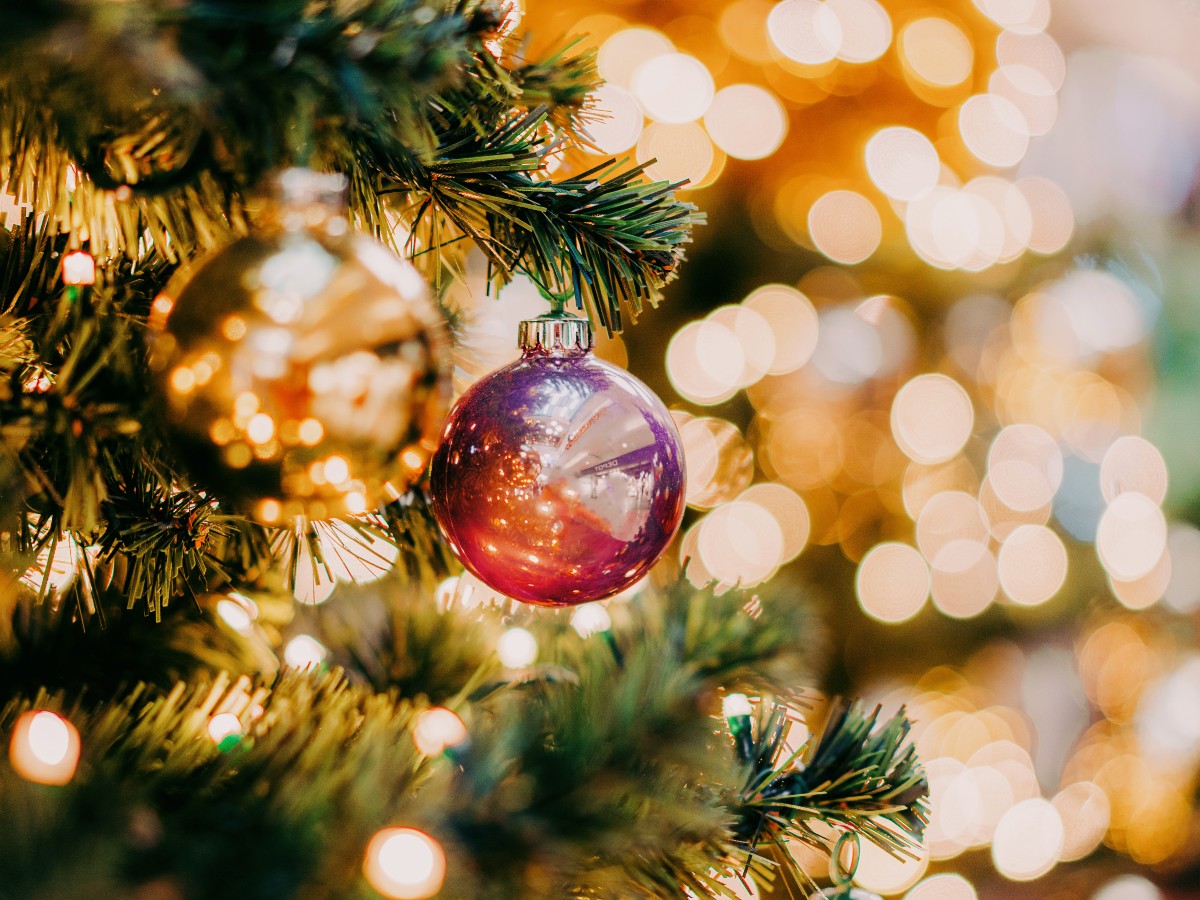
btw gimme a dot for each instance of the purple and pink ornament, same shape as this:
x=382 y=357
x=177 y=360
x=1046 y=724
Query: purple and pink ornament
x=559 y=479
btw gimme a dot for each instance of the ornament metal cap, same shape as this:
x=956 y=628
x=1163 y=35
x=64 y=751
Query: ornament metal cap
x=555 y=334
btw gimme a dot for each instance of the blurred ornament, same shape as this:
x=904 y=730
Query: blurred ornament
x=559 y=478
x=303 y=367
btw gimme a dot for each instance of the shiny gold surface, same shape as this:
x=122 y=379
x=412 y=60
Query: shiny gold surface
x=303 y=366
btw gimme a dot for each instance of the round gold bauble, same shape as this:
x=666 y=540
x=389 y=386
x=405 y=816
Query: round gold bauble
x=302 y=369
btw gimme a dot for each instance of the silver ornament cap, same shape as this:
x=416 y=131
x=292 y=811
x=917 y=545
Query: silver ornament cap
x=555 y=334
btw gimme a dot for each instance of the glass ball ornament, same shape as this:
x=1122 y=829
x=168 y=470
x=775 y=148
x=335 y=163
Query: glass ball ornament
x=559 y=479
x=303 y=369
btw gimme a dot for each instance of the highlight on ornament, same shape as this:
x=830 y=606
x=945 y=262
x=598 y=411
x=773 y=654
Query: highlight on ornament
x=44 y=748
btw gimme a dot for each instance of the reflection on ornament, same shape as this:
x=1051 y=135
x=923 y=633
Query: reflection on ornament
x=355 y=551
x=58 y=564
x=559 y=479
x=303 y=367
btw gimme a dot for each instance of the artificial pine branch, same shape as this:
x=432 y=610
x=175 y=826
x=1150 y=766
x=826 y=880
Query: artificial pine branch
x=613 y=782
x=355 y=90
x=853 y=776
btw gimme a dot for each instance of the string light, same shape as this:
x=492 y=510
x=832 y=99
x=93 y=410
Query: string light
x=438 y=729
x=44 y=748
x=225 y=730
x=517 y=648
x=238 y=612
x=591 y=618
x=404 y=864
x=305 y=652
x=78 y=268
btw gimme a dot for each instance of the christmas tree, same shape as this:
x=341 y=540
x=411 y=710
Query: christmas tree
x=238 y=652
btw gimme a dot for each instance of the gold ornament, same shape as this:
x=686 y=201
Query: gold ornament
x=303 y=369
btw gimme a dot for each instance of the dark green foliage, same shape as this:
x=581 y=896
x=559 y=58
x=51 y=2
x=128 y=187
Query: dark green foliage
x=400 y=95
x=615 y=780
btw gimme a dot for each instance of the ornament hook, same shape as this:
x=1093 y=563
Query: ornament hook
x=842 y=874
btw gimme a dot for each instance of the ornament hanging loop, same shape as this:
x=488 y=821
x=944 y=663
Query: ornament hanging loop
x=842 y=874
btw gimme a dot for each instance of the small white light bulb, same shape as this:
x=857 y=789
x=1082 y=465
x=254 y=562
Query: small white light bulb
x=436 y=729
x=304 y=651
x=517 y=648
x=405 y=864
x=736 y=705
x=222 y=725
x=591 y=618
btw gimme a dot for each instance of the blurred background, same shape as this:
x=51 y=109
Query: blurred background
x=934 y=361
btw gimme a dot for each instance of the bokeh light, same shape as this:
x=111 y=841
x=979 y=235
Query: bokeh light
x=619 y=124
x=437 y=729
x=44 y=747
x=945 y=886
x=741 y=543
x=1132 y=536
x=789 y=511
x=746 y=121
x=937 y=52
x=1085 y=812
x=720 y=464
x=404 y=864
x=1028 y=841
x=902 y=163
x=674 y=88
x=679 y=152
x=1133 y=464
x=792 y=320
x=965 y=579
x=806 y=31
x=994 y=130
x=845 y=226
x=517 y=648
x=1025 y=467
x=932 y=418
x=882 y=872
x=305 y=652
x=892 y=582
x=1128 y=887
x=1032 y=565
x=624 y=52
x=866 y=29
